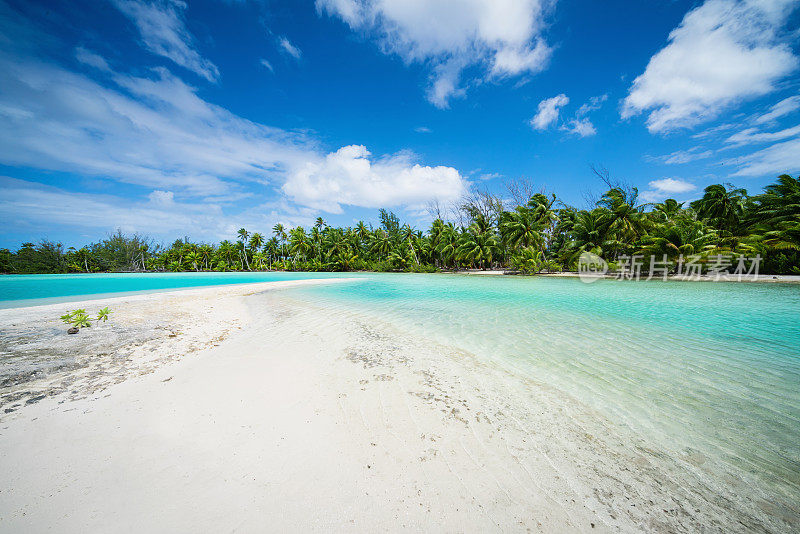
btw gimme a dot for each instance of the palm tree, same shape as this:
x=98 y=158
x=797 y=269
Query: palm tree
x=256 y=240
x=687 y=238
x=193 y=259
x=785 y=237
x=531 y=237
x=623 y=220
x=299 y=245
x=271 y=249
x=205 y=252
x=381 y=244
x=527 y=260
x=521 y=228
x=668 y=209
x=477 y=246
x=280 y=234
x=588 y=230
x=226 y=255
x=362 y=231
x=448 y=243
x=721 y=205
x=259 y=260
x=243 y=235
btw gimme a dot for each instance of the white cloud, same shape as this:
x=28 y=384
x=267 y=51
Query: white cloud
x=550 y=108
x=683 y=156
x=723 y=52
x=547 y=112
x=713 y=132
x=672 y=185
x=750 y=136
x=88 y=57
x=163 y=32
x=40 y=208
x=190 y=162
x=266 y=64
x=36 y=209
x=153 y=132
x=162 y=198
x=782 y=108
x=666 y=187
x=157 y=133
x=774 y=160
x=512 y=61
x=350 y=176
x=289 y=48
x=503 y=36
x=580 y=127
x=445 y=84
x=422 y=129
x=594 y=103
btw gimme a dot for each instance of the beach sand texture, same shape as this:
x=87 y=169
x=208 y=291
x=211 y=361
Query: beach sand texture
x=245 y=409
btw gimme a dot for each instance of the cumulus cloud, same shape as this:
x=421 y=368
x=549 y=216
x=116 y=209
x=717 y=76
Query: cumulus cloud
x=350 y=176
x=723 y=52
x=163 y=32
x=155 y=132
x=503 y=36
x=185 y=165
x=289 y=48
x=666 y=187
x=672 y=185
x=580 y=127
x=548 y=111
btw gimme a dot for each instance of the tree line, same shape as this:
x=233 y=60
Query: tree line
x=533 y=232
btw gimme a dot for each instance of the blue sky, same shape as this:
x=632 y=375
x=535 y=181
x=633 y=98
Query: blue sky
x=195 y=118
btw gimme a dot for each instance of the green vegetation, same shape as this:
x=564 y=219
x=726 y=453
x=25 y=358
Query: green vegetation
x=534 y=233
x=103 y=314
x=77 y=318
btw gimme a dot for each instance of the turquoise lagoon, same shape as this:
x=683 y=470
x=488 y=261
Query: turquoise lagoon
x=36 y=289
x=694 y=367
x=708 y=367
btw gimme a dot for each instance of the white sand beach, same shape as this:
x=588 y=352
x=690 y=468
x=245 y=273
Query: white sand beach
x=241 y=408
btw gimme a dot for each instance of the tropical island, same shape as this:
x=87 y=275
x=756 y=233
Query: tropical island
x=366 y=266
x=532 y=233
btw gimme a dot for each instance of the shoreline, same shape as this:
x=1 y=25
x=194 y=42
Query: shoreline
x=767 y=278
x=278 y=389
x=39 y=359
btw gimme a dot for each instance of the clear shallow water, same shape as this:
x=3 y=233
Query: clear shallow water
x=709 y=368
x=31 y=290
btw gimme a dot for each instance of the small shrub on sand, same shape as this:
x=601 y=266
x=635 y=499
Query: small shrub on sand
x=77 y=318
